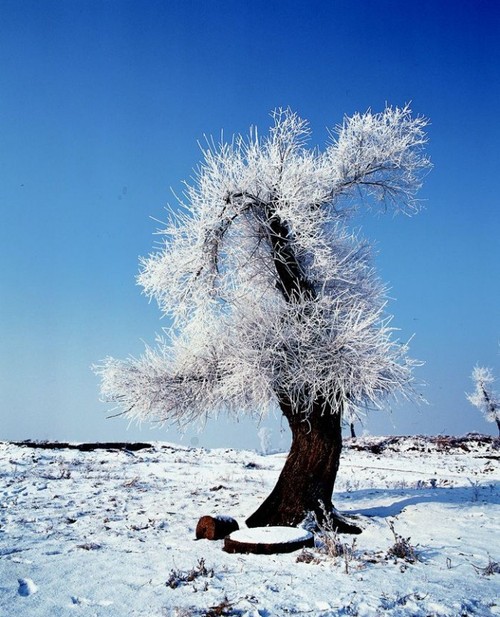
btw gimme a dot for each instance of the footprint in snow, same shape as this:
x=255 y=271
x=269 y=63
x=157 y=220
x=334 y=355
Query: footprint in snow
x=26 y=587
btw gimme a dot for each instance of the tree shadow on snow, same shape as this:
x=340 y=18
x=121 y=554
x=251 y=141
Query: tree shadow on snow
x=475 y=494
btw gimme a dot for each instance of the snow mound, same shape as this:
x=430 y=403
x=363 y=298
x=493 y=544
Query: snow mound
x=26 y=587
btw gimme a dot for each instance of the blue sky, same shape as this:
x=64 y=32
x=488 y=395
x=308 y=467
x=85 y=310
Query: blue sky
x=101 y=107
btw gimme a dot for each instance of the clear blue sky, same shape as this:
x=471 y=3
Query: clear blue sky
x=101 y=106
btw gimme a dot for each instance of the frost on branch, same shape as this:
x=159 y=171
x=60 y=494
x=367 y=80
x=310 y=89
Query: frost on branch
x=269 y=295
x=382 y=154
x=484 y=397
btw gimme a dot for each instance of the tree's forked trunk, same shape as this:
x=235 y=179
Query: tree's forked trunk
x=308 y=476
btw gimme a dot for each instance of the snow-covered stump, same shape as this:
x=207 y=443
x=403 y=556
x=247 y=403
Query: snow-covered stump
x=215 y=527
x=268 y=540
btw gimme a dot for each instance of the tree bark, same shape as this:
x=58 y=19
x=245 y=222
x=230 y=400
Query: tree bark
x=308 y=476
x=306 y=481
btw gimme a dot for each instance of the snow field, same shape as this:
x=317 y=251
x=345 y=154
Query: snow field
x=101 y=533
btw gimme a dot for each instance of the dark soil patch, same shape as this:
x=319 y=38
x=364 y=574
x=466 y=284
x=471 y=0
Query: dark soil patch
x=83 y=447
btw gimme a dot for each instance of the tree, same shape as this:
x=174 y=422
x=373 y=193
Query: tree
x=483 y=397
x=273 y=302
x=350 y=419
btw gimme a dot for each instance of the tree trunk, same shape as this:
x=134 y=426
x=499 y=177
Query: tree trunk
x=306 y=481
x=308 y=476
x=353 y=432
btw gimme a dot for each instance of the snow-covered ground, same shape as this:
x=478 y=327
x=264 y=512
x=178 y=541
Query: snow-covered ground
x=111 y=532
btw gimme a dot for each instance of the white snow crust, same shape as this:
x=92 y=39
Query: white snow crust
x=271 y=535
x=101 y=533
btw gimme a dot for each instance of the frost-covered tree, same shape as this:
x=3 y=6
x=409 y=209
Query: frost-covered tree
x=483 y=397
x=272 y=301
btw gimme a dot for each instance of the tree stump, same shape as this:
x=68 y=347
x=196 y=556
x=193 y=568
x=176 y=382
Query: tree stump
x=268 y=540
x=215 y=527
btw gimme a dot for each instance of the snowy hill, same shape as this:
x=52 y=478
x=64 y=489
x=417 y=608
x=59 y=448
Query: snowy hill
x=108 y=531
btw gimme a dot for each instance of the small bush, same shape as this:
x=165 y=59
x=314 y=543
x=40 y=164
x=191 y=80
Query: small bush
x=402 y=549
x=493 y=567
x=328 y=543
x=223 y=609
x=178 y=577
x=89 y=546
x=306 y=556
